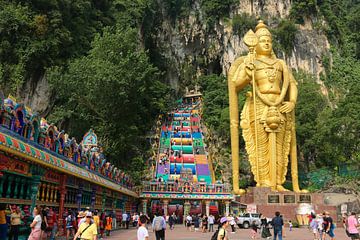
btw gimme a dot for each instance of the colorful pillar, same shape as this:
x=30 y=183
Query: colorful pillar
x=62 y=191
x=2 y=180
x=144 y=206
x=93 y=198
x=165 y=206
x=227 y=208
x=187 y=206
x=103 y=200
x=34 y=190
x=8 y=190
x=79 y=196
x=207 y=207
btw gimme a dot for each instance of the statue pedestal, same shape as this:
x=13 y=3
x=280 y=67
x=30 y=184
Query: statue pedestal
x=264 y=200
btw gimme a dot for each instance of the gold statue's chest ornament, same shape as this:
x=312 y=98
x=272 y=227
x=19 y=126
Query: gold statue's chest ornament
x=268 y=112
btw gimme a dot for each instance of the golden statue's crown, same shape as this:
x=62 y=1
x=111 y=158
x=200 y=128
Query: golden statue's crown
x=262 y=30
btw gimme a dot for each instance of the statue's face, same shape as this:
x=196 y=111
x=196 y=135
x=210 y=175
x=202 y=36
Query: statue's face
x=264 y=46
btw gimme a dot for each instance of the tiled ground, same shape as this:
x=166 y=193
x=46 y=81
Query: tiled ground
x=180 y=233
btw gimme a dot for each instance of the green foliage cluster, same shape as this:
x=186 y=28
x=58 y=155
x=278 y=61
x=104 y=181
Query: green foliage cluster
x=114 y=89
x=178 y=9
x=302 y=8
x=216 y=9
x=39 y=34
x=91 y=54
x=284 y=36
x=241 y=23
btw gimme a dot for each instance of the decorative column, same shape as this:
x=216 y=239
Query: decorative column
x=22 y=186
x=187 y=206
x=16 y=190
x=103 y=200
x=62 y=191
x=2 y=180
x=165 y=206
x=144 y=206
x=207 y=207
x=34 y=190
x=227 y=208
x=79 y=196
x=10 y=180
x=93 y=198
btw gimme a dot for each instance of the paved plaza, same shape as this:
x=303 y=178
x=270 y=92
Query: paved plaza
x=180 y=233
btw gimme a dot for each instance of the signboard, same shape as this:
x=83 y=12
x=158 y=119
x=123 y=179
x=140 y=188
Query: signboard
x=304 y=198
x=251 y=208
x=344 y=208
x=289 y=198
x=273 y=199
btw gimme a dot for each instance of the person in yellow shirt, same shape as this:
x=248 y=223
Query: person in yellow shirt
x=87 y=230
x=97 y=221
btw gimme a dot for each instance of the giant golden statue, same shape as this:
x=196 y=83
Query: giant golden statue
x=267 y=119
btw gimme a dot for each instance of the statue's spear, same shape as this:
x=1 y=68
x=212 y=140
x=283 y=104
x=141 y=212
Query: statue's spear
x=251 y=40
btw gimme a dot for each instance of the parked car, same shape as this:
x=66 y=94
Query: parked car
x=245 y=220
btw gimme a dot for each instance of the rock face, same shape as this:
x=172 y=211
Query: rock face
x=37 y=94
x=190 y=47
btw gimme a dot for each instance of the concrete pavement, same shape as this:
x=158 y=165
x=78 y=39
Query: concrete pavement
x=180 y=233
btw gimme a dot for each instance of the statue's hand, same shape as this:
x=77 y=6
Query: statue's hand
x=287 y=107
x=249 y=67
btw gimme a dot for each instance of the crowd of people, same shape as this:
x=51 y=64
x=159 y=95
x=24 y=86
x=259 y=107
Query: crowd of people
x=43 y=223
x=321 y=226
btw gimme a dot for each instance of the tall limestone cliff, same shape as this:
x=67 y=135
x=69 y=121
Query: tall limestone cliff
x=191 y=47
x=184 y=44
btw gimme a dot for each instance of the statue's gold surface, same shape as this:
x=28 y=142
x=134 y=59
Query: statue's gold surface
x=267 y=118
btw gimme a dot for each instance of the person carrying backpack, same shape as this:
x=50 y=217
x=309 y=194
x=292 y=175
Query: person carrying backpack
x=221 y=233
x=277 y=223
x=159 y=226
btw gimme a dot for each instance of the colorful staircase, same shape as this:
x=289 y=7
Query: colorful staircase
x=181 y=146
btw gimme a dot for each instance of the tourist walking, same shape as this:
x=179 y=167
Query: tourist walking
x=196 y=222
x=69 y=225
x=142 y=232
x=172 y=220
x=123 y=220
x=15 y=221
x=351 y=225
x=127 y=220
x=277 y=223
x=315 y=228
x=232 y=223
x=87 y=230
x=188 y=222
x=328 y=226
x=222 y=233
x=52 y=223
x=3 y=224
x=254 y=228
x=319 y=219
x=108 y=226
x=102 y=224
x=36 y=225
x=204 y=223
x=97 y=221
x=211 y=220
x=159 y=226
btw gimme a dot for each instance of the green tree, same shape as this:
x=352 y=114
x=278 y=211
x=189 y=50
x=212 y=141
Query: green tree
x=115 y=90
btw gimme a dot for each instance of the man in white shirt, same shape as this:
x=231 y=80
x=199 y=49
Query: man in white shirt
x=142 y=232
x=211 y=221
x=123 y=220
